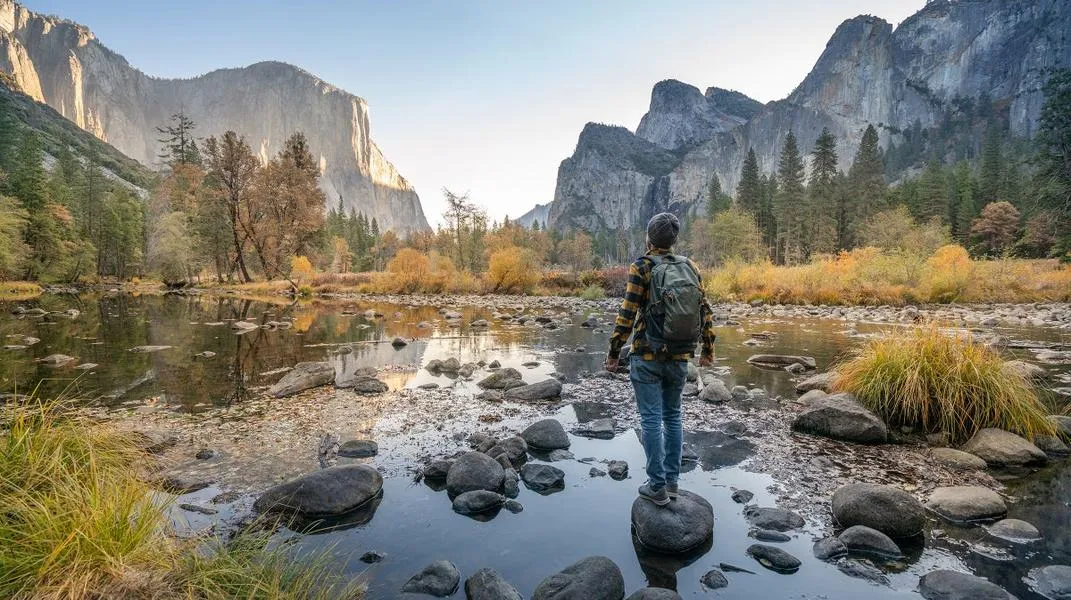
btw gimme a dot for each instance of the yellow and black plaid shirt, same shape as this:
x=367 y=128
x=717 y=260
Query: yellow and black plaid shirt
x=630 y=316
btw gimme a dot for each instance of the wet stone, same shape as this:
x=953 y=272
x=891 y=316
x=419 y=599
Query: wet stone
x=828 y=548
x=441 y=578
x=652 y=593
x=372 y=557
x=477 y=501
x=596 y=472
x=559 y=455
x=487 y=584
x=599 y=428
x=513 y=506
x=593 y=578
x=773 y=558
x=543 y=479
x=618 y=469
x=957 y=459
x=767 y=535
x=954 y=585
x=742 y=496
x=438 y=469
x=841 y=417
x=1014 y=530
x=680 y=526
x=966 y=503
x=888 y=509
x=358 y=449
x=330 y=491
x=548 y=389
x=204 y=510
x=303 y=376
x=714 y=579
x=1053 y=582
x=547 y=434
x=205 y=454
x=861 y=569
x=775 y=519
x=999 y=448
x=860 y=538
x=474 y=471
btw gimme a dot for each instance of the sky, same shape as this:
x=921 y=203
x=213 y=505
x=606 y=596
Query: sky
x=485 y=97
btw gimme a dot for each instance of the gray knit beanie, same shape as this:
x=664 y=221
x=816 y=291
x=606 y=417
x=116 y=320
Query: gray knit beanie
x=662 y=230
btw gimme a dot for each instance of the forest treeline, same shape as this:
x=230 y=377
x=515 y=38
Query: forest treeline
x=218 y=213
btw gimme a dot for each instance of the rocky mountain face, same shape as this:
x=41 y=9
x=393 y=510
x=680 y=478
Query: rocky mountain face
x=63 y=65
x=539 y=214
x=869 y=73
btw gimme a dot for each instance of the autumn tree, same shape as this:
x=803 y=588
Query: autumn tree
x=994 y=231
x=733 y=234
x=233 y=167
x=576 y=251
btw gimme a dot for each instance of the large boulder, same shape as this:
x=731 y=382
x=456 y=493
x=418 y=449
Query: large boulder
x=441 y=578
x=841 y=417
x=966 y=503
x=999 y=448
x=548 y=434
x=543 y=479
x=715 y=391
x=502 y=379
x=486 y=584
x=954 y=585
x=780 y=360
x=957 y=459
x=653 y=593
x=888 y=509
x=548 y=389
x=593 y=578
x=677 y=528
x=773 y=519
x=822 y=381
x=474 y=471
x=330 y=491
x=303 y=376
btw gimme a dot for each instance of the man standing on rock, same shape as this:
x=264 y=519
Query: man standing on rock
x=664 y=304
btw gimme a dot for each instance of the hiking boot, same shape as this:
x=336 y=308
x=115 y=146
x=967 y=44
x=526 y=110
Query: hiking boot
x=673 y=490
x=660 y=497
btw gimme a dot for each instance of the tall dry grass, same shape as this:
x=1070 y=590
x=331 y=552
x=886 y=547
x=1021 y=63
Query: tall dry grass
x=942 y=382
x=15 y=291
x=76 y=523
x=869 y=276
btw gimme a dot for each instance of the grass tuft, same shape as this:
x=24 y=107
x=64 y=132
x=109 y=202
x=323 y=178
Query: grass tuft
x=78 y=523
x=929 y=379
x=16 y=291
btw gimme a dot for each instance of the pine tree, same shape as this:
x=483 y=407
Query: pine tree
x=179 y=143
x=1053 y=142
x=717 y=200
x=965 y=207
x=866 y=179
x=790 y=204
x=749 y=190
x=821 y=216
x=991 y=170
x=932 y=198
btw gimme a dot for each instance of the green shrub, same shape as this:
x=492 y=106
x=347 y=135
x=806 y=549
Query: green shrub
x=593 y=292
x=935 y=381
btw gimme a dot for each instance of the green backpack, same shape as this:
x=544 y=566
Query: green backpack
x=673 y=315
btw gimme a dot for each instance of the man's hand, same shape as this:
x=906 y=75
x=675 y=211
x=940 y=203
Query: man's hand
x=611 y=365
x=706 y=361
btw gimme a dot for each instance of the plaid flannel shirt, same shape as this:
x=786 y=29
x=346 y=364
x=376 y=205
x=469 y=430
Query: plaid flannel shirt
x=630 y=315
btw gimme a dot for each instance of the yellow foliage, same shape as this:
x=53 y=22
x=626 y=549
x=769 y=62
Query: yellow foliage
x=412 y=271
x=873 y=276
x=301 y=269
x=512 y=270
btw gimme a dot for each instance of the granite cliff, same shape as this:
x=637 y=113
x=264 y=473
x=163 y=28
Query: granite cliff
x=869 y=73
x=63 y=65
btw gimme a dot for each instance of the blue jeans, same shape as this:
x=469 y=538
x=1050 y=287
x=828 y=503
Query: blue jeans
x=658 y=385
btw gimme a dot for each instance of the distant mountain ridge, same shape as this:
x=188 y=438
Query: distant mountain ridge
x=62 y=64
x=869 y=73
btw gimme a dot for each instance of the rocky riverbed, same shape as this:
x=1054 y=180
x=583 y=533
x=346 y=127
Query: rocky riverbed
x=229 y=426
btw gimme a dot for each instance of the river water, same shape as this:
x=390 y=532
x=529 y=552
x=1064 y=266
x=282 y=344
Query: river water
x=414 y=524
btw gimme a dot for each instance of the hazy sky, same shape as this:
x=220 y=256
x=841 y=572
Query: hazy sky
x=487 y=97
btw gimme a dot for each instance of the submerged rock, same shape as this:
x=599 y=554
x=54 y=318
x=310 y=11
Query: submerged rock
x=547 y=434
x=841 y=417
x=543 y=479
x=999 y=448
x=618 y=469
x=303 y=376
x=441 y=578
x=967 y=503
x=330 y=491
x=714 y=579
x=477 y=501
x=599 y=428
x=780 y=360
x=593 y=578
x=954 y=585
x=888 y=509
x=653 y=593
x=487 y=584
x=742 y=496
x=358 y=449
x=1014 y=530
x=860 y=538
x=57 y=360
x=1053 y=582
x=680 y=526
x=829 y=548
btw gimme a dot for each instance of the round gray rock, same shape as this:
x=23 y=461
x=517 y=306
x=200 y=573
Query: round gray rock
x=543 y=478
x=774 y=519
x=957 y=459
x=438 y=469
x=548 y=389
x=370 y=386
x=547 y=434
x=774 y=559
x=477 y=501
x=680 y=526
x=860 y=538
x=330 y=491
x=999 y=448
x=1014 y=530
x=953 y=585
x=841 y=417
x=474 y=471
x=441 y=578
x=593 y=578
x=715 y=391
x=888 y=509
x=965 y=503
x=830 y=547
x=714 y=579
x=1052 y=582
x=358 y=449
x=486 y=584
